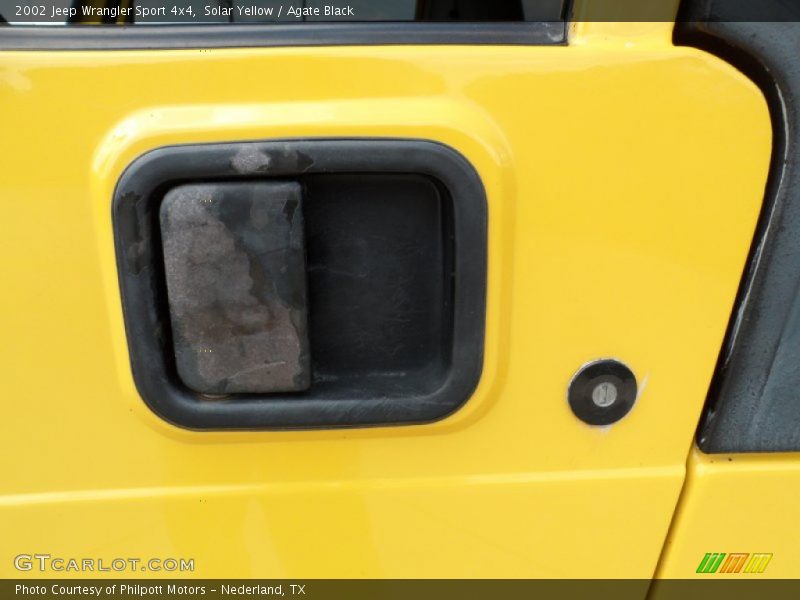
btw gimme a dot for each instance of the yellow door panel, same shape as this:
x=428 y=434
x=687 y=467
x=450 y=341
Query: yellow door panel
x=621 y=208
x=732 y=504
x=468 y=526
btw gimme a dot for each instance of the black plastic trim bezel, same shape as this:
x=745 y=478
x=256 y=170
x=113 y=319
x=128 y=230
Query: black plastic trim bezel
x=137 y=239
x=588 y=377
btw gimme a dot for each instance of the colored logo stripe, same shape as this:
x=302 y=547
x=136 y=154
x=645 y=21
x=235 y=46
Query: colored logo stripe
x=736 y=562
x=758 y=563
x=710 y=562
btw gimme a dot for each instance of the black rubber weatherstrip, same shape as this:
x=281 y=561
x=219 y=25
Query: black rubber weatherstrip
x=139 y=259
x=162 y=37
x=754 y=400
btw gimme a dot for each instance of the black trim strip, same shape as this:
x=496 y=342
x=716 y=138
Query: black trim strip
x=139 y=259
x=752 y=404
x=163 y=37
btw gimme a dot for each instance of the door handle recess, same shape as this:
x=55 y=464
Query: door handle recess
x=302 y=283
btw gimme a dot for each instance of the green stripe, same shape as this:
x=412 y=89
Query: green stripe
x=715 y=566
x=711 y=562
x=702 y=565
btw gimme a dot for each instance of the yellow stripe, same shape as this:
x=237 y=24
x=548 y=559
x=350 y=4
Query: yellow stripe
x=763 y=562
x=749 y=567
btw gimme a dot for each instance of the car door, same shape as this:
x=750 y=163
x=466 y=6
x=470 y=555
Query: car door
x=522 y=242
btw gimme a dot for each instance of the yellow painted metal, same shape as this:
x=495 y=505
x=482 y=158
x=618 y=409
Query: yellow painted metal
x=624 y=176
x=737 y=503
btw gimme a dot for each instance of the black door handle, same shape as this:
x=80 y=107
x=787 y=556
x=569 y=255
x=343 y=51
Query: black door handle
x=365 y=306
x=234 y=257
